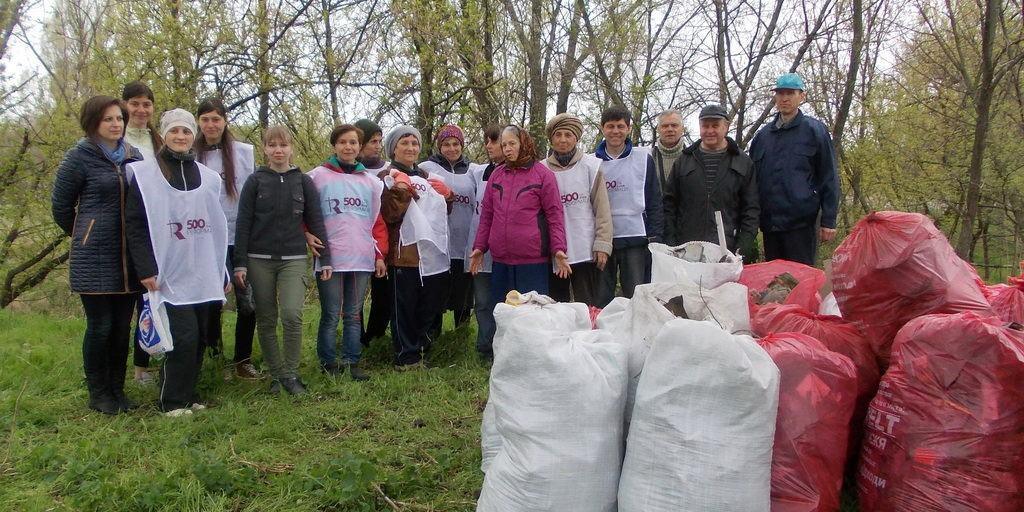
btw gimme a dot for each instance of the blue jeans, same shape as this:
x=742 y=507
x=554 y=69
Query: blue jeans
x=483 y=305
x=341 y=295
x=631 y=266
x=522 y=278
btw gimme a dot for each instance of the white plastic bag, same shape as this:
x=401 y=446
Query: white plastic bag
x=558 y=400
x=636 y=322
x=671 y=265
x=829 y=306
x=703 y=424
x=153 y=334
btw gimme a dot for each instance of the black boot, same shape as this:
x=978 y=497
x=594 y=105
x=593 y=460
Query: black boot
x=100 y=398
x=116 y=385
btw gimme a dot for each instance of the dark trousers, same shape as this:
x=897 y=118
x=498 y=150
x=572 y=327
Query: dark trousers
x=800 y=245
x=522 y=278
x=415 y=304
x=483 y=306
x=108 y=322
x=459 y=297
x=380 y=308
x=628 y=267
x=581 y=286
x=140 y=357
x=245 y=324
x=181 y=366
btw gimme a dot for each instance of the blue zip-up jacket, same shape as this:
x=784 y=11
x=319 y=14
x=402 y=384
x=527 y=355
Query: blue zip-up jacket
x=653 y=213
x=796 y=174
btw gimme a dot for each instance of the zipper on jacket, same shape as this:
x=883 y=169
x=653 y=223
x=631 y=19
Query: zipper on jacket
x=181 y=167
x=88 y=231
x=124 y=242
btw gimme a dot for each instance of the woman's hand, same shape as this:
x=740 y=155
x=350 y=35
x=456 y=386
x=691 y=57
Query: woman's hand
x=151 y=283
x=240 y=278
x=380 y=269
x=562 y=268
x=314 y=243
x=600 y=260
x=325 y=273
x=476 y=261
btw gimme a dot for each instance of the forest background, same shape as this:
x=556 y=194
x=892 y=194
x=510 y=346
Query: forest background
x=924 y=99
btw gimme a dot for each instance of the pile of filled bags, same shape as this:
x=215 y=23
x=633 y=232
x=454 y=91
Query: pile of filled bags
x=730 y=387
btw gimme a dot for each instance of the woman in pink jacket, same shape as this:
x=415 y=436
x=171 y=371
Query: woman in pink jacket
x=522 y=222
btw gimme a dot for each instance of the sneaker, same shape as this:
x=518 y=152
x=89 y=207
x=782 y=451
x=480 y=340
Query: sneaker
x=178 y=413
x=144 y=377
x=275 y=387
x=198 y=407
x=248 y=371
x=357 y=373
x=293 y=386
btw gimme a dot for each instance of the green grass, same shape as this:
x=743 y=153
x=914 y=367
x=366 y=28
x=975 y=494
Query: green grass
x=412 y=437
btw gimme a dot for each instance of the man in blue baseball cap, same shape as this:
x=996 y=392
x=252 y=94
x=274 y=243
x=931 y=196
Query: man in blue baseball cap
x=797 y=179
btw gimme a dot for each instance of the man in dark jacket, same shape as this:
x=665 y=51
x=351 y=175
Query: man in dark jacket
x=712 y=175
x=799 y=187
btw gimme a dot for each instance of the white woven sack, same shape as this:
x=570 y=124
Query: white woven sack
x=558 y=401
x=703 y=424
x=635 y=322
x=668 y=267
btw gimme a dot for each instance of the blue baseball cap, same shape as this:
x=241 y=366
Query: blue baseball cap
x=790 y=81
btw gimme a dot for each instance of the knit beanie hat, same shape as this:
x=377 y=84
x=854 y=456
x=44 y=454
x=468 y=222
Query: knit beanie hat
x=369 y=128
x=176 y=117
x=396 y=134
x=450 y=130
x=565 y=121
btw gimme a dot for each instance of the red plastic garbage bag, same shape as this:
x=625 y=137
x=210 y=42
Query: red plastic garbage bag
x=895 y=267
x=946 y=429
x=817 y=391
x=837 y=335
x=758 y=277
x=1008 y=300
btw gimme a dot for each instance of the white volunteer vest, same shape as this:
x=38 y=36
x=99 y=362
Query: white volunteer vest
x=480 y=186
x=625 y=179
x=459 y=220
x=376 y=171
x=189 y=235
x=426 y=225
x=350 y=204
x=245 y=165
x=574 y=187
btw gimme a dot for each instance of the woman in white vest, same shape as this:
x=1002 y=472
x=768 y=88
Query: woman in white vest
x=350 y=201
x=380 y=289
x=139 y=100
x=415 y=207
x=235 y=161
x=483 y=306
x=177 y=236
x=451 y=165
x=588 y=217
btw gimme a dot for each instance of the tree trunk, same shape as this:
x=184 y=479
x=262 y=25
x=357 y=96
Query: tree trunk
x=982 y=109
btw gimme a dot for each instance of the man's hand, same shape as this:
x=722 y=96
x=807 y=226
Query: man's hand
x=476 y=261
x=240 y=278
x=826 y=235
x=380 y=269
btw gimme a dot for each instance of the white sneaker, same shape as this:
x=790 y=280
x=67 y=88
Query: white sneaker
x=178 y=412
x=198 y=406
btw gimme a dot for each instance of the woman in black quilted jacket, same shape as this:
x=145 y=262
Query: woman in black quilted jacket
x=88 y=204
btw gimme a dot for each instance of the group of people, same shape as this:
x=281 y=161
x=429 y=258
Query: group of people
x=183 y=213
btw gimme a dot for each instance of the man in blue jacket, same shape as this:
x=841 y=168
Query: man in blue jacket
x=796 y=174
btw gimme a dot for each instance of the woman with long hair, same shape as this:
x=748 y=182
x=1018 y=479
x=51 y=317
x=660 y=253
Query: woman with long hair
x=235 y=161
x=89 y=206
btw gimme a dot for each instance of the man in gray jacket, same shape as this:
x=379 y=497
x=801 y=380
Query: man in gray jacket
x=713 y=175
